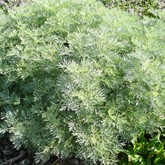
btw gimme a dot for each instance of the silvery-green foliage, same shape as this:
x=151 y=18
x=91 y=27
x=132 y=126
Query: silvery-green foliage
x=79 y=79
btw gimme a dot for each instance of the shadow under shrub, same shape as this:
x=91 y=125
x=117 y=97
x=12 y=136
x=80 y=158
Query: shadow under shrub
x=79 y=79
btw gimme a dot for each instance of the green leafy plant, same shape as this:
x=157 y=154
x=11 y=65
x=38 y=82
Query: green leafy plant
x=140 y=7
x=5 y=5
x=144 y=151
x=80 y=79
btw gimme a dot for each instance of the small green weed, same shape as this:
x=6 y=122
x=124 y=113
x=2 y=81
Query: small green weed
x=144 y=151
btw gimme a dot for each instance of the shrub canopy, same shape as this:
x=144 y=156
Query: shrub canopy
x=79 y=79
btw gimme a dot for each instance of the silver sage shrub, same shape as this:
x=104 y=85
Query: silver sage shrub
x=79 y=79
